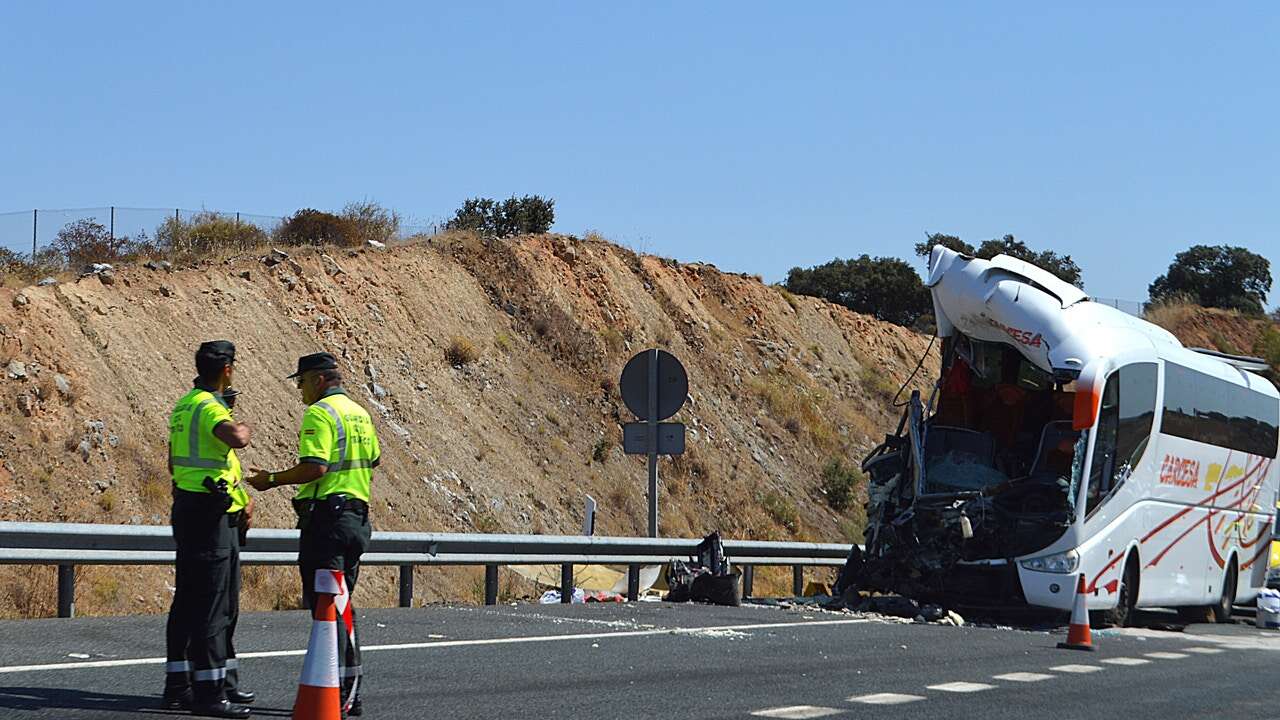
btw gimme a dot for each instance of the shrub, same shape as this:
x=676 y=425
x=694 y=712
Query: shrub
x=530 y=214
x=1221 y=276
x=502 y=341
x=840 y=482
x=208 y=232
x=600 y=452
x=461 y=351
x=781 y=509
x=1267 y=346
x=87 y=241
x=313 y=227
x=887 y=288
x=372 y=221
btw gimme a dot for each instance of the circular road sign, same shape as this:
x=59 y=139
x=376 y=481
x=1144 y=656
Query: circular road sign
x=672 y=386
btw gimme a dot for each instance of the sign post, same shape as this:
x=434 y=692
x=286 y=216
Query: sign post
x=654 y=386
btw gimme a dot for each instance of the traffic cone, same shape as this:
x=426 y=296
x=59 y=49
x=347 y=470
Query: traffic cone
x=319 y=692
x=1078 y=637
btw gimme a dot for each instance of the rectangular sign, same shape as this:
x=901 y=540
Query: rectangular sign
x=635 y=438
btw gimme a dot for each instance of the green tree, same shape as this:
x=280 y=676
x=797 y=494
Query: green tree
x=528 y=215
x=887 y=288
x=87 y=241
x=1220 y=276
x=1061 y=266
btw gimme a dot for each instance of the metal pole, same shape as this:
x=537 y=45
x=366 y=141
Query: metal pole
x=566 y=584
x=35 y=223
x=797 y=580
x=66 y=591
x=406 y=586
x=113 y=222
x=490 y=584
x=653 y=443
x=748 y=577
x=633 y=582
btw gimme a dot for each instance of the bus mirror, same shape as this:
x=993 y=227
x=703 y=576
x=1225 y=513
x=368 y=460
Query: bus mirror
x=1088 y=398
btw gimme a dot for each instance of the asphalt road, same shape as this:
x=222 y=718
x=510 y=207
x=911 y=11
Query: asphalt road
x=659 y=660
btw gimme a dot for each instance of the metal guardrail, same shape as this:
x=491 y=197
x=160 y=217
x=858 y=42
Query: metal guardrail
x=69 y=544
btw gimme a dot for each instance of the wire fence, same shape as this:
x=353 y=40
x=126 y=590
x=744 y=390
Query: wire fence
x=27 y=232
x=1133 y=307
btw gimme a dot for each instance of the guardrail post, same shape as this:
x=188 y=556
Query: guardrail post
x=566 y=583
x=797 y=580
x=490 y=584
x=748 y=577
x=633 y=582
x=406 y=586
x=66 y=591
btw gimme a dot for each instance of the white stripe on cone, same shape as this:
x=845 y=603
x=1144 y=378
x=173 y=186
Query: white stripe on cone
x=320 y=667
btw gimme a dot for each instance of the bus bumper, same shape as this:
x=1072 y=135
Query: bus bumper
x=1054 y=591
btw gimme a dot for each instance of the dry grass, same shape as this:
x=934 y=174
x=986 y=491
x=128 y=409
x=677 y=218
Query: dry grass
x=461 y=351
x=1172 y=313
x=795 y=405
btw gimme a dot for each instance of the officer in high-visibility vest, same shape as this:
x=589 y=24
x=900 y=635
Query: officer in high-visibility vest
x=209 y=507
x=337 y=451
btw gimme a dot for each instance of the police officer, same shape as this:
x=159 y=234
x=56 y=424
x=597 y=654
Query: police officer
x=209 y=506
x=337 y=451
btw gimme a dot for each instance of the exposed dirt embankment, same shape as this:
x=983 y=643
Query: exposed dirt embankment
x=509 y=442
x=1226 y=331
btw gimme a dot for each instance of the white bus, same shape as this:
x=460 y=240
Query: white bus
x=1065 y=437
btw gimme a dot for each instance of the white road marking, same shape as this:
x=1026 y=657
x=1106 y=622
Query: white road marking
x=1166 y=655
x=796 y=711
x=1022 y=677
x=1203 y=650
x=885 y=698
x=961 y=687
x=1128 y=661
x=694 y=632
x=1080 y=669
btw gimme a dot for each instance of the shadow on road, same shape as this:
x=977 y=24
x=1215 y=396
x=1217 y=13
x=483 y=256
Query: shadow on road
x=28 y=698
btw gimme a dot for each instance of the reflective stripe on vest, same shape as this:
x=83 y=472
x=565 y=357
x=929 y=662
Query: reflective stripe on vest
x=192 y=459
x=342 y=436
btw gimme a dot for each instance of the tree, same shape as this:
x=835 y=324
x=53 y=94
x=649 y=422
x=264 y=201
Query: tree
x=1219 y=276
x=887 y=288
x=1061 y=266
x=528 y=215
x=313 y=227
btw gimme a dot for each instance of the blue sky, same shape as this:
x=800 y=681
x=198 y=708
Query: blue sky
x=753 y=136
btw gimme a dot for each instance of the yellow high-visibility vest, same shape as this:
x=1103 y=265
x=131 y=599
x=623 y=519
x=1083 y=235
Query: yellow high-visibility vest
x=338 y=433
x=196 y=453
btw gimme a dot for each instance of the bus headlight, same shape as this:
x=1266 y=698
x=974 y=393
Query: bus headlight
x=1063 y=563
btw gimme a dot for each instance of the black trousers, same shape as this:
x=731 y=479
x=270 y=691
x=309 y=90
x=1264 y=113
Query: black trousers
x=334 y=538
x=200 y=651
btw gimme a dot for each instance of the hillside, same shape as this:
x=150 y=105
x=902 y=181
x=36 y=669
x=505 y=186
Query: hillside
x=509 y=442
x=1227 y=331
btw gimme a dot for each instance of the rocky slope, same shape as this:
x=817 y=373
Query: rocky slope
x=511 y=441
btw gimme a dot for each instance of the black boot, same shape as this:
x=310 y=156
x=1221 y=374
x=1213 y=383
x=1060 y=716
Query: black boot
x=221 y=709
x=244 y=697
x=176 y=699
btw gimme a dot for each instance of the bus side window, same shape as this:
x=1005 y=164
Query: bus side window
x=1124 y=429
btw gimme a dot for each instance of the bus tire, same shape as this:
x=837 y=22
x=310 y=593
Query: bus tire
x=1125 y=611
x=1221 y=610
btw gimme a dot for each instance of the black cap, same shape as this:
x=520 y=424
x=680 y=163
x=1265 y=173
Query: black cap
x=218 y=349
x=315 y=361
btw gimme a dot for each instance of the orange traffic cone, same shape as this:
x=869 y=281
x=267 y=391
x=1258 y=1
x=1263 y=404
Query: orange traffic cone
x=319 y=692
x=1078 y=637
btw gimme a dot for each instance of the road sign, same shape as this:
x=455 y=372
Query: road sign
x=635 y=438
x=672 y=384
x=654 y=386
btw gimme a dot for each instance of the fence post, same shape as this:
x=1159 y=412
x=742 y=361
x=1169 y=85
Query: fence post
x=66 y=591
x=35 y=223
x=748 y=577
x=566 y=583
x=490 y=584
x=633 y=582
x=113 y=222
x=237 y=219
x=797 y=580
x=406 y=586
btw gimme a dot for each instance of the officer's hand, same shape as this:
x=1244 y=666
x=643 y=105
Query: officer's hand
x=248 y=514
x=258 y=479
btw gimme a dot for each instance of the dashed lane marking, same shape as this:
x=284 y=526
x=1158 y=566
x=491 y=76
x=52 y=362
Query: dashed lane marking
x=1022 y=677
x=1166 y=655
x=961 y=687
x=1127 y=661
x=796 y=712
x=885 y=698
x=677 y=631
x=1203 y=650
x=1078 y=669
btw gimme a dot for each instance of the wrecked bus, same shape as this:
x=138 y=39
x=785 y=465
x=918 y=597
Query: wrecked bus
x=1065 y=437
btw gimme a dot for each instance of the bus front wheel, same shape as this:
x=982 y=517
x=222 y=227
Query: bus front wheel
x=1221 y=610
x=1122 y=615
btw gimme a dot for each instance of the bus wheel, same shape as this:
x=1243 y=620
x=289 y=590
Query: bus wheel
x=1122 y=615
x=1221 y=610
